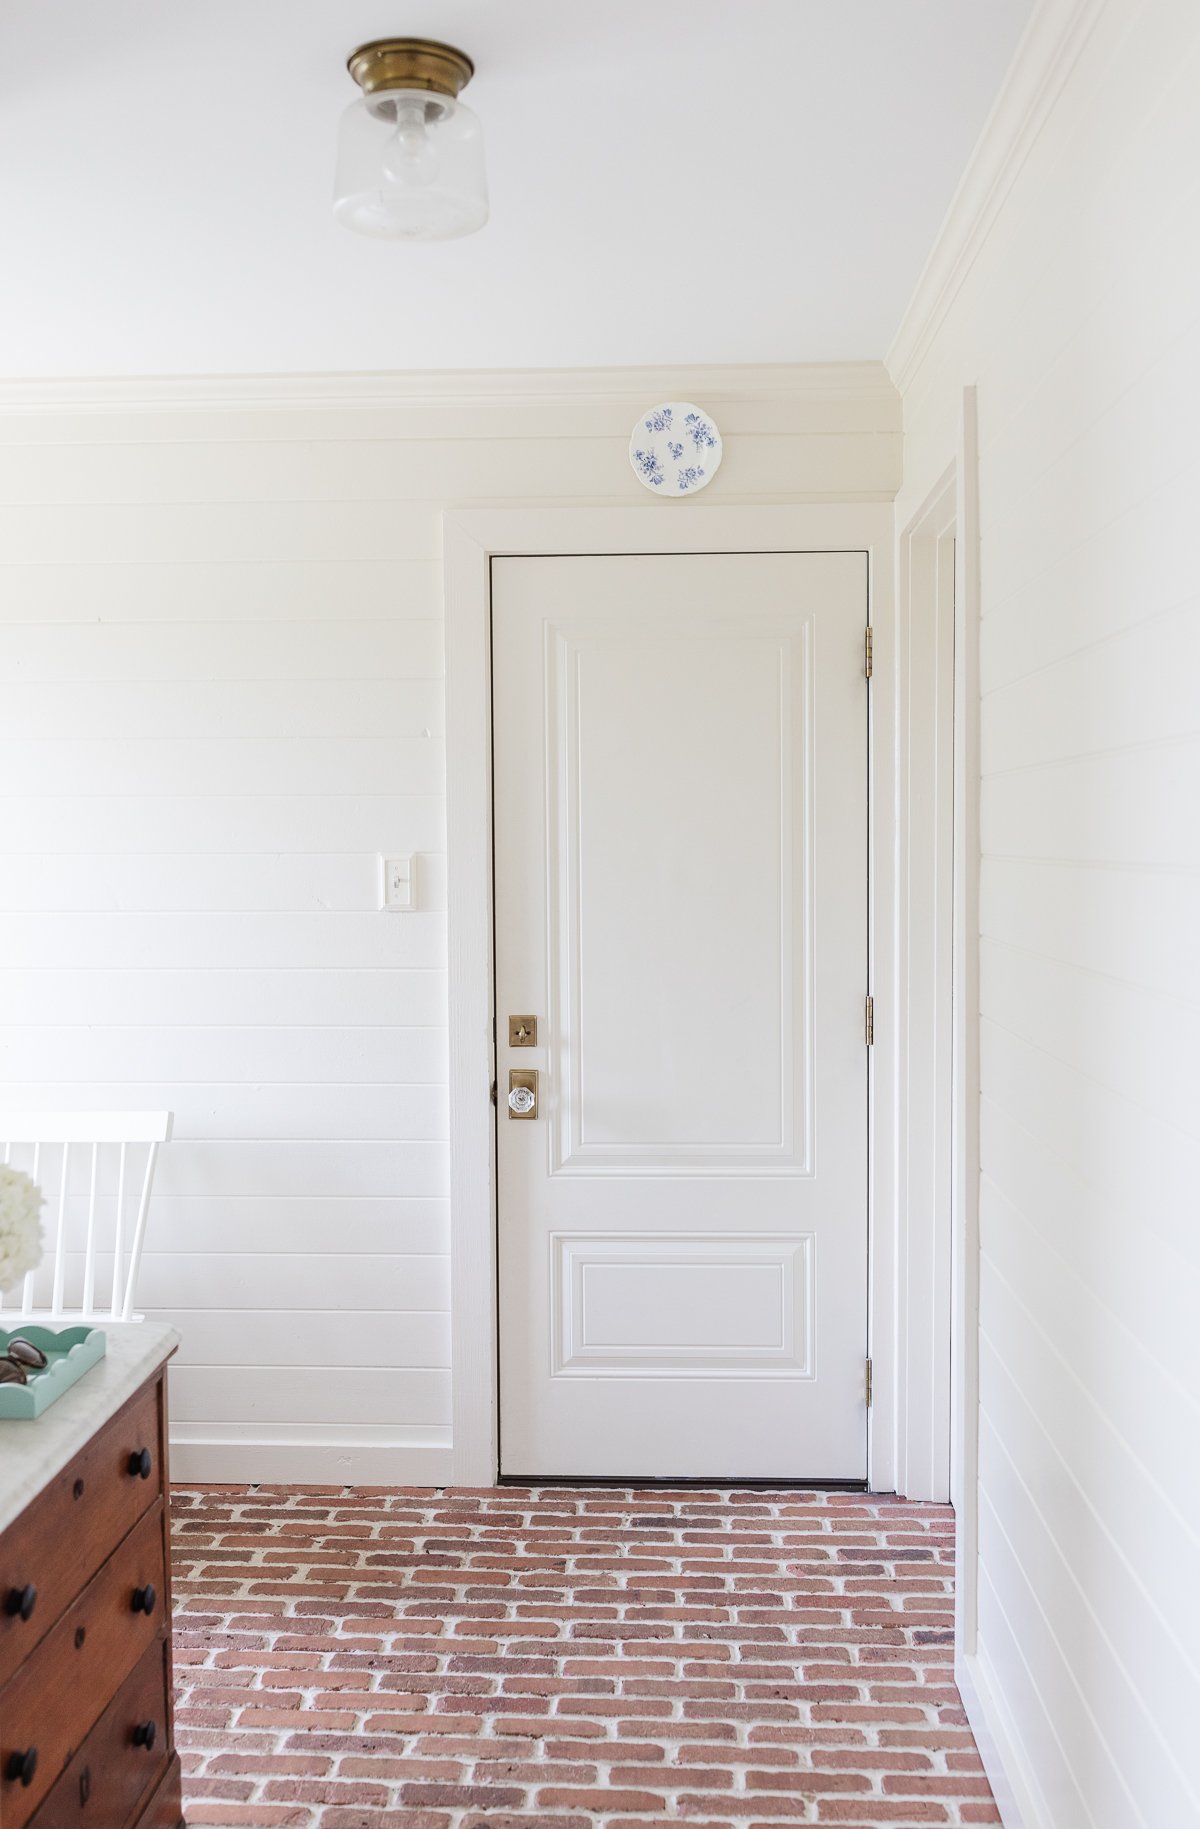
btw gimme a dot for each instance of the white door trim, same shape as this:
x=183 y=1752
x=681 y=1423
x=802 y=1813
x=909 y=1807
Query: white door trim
x=935 y=1067
x=964 y=1469
x=471 y=539
x=923 y=1031
x=951 y=512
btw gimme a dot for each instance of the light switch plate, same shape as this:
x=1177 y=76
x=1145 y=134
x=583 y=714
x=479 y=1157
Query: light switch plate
x=398 y=885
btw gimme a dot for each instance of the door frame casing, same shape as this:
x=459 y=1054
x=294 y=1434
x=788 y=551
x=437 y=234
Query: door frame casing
x=923 y=1033
x=472 y=538
x=940 y=629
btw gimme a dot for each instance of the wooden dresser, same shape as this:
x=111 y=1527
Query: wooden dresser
x=86 y=1738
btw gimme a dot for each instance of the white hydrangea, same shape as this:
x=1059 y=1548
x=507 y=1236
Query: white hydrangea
x=21 y=1206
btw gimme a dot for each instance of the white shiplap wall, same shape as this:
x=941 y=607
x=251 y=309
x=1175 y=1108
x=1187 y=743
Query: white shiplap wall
x=221 y=660
x=1077 y=313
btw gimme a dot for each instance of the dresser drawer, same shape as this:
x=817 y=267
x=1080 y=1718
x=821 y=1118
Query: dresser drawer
x=114 y=1769
x=48 y=1708
x=62 y=1538
x=165 y=1809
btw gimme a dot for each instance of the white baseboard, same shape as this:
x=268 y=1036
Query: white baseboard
x=371 y=1455
x=1018 y=1795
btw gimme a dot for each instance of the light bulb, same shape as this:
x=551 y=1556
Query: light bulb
x=410 y=160
x=410 y=166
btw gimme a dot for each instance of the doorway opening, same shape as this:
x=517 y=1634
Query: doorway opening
x=907 y=1428
x=938 y=612
x=680 y=818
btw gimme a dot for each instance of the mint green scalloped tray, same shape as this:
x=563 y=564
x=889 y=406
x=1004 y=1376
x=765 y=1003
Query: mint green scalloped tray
x=72 y=1351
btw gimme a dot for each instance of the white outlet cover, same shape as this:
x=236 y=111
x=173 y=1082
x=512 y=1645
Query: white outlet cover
x=397 y=884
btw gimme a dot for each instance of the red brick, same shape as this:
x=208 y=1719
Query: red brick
x=393 y=1768
x=313 y=1791
x=247 y=1816
x=535 y=1772
x=657 y=1822
x=918 y=1784
x=794 y=1808
x=711 y=1777
x=505 y=1819
x=276 y=1764
x=599 y=1798
x=839 y=1810
x=531 y=1659
x=813 y=1784
x=614 y=1752
x=863 y=1759
x=433 y=1792
x=353 y=1818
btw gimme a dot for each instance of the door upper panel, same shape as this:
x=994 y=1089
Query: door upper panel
x=680 y=930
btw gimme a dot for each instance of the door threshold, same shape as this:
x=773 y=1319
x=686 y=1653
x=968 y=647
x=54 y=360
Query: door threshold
x=690 y=1482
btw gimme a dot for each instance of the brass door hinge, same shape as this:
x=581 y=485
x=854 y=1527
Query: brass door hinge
x=492 y=1094
x=868 y=1384
x=869 y=657
x=870 y=1013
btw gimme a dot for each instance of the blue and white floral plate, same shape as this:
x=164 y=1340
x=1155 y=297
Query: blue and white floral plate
x=675 y=448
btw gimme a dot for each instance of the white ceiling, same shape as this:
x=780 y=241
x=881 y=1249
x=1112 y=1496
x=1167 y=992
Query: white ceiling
x=672 y=181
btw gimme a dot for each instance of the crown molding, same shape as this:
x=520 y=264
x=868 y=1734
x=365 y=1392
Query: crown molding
x=1044 y=58
x=451 y=387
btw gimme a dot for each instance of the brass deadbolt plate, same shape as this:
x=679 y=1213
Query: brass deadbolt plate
x=522 y=1031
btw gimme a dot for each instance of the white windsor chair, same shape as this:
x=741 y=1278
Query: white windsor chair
x=68 y=1152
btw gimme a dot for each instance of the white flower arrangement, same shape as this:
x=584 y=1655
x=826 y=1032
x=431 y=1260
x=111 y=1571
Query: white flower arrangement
x=21 y=1204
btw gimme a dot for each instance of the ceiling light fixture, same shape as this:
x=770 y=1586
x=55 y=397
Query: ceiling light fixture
x=410 y=155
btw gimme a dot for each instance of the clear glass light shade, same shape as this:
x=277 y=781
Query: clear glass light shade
x=410 y=167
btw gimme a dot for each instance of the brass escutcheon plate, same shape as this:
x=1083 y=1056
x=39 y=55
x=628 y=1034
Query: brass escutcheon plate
x=524 y=1082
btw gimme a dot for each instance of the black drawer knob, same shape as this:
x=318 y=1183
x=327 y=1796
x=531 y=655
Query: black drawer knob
x=22 y=1765
x=21 y=1601
x=144 y=1599
x=141 y=1464
x=145 y=1734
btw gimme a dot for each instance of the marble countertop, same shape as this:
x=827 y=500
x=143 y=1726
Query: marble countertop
x=32 y=1451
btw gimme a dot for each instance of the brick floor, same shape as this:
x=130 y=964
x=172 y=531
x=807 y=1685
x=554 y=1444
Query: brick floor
x=369 y=1658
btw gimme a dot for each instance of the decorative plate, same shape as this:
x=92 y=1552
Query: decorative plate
x=675 y=448
x=70 y=1351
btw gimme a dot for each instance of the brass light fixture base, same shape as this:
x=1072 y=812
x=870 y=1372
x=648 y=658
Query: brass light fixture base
x=410 y=63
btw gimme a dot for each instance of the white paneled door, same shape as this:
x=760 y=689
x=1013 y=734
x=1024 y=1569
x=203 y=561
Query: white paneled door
x=681 y=910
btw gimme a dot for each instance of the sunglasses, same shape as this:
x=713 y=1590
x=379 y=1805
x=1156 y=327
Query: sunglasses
x=21 y=1358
